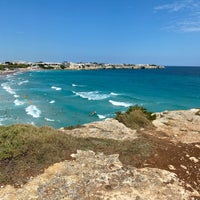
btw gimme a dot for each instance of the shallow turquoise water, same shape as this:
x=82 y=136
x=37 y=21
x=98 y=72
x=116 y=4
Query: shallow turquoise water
x=62 y=98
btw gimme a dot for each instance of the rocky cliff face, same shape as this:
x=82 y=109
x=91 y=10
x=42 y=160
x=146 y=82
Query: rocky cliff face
x=166 y=175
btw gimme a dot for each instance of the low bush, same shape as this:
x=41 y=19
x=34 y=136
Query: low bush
x=136 y=117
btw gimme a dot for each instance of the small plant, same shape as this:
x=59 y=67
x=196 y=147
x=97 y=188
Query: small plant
x=72 y=127
x=136 y=117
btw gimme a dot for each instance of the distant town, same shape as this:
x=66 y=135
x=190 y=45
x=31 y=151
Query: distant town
x=12 y=66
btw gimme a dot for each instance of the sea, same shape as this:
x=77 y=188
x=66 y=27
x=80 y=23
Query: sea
x=61 y=98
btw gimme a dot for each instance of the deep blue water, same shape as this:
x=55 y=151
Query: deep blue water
x=63 y=98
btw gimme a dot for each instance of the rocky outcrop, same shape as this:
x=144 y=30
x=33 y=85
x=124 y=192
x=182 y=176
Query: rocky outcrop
x=179 y=126
x=97 y=176
x=92 y=175
x=109 y=129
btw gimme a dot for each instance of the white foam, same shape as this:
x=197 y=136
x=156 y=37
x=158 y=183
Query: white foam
x=52 y=101
x=101 y=116
x=2 y=120
x=75 y=85
x=33 y=111
x=7 y=87
x=50 y=120
x=114 y=94
x=23 y=82
x=17 y=102
x=56 y=88
x=118 y=103
x=93 y=95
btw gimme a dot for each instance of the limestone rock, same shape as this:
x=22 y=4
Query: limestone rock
x=109 y=129
x=181 y=126
x=97 y=176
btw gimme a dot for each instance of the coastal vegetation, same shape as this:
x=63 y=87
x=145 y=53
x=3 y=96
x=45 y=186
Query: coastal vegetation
x=136 y=117
x=25 y=150
x=12 y=66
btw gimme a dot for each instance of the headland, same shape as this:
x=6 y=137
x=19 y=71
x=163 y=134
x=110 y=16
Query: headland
x=10 y=67
x=138 y=155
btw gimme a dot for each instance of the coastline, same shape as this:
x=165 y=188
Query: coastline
x=12 y=66
x=104 y=174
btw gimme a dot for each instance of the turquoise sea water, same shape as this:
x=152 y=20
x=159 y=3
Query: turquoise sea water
x=63 y=98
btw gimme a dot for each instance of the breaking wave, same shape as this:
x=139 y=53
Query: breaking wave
x=2 y=120
x=23 y=82
x=56 y=88
x=75 y=85
x=52 y=101
x=49 y=120
x=33 y=111
x=114 y=94
x=101 y=116
x=93 y=95
x=17 y=102
x=7 y=88
x=118 y=103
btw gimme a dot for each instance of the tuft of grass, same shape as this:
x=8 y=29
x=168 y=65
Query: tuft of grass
x=136 y=117
x=73 y=127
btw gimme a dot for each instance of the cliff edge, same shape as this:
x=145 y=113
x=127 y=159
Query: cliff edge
x=157 y=162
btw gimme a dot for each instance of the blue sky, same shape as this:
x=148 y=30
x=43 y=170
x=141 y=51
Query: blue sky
x=163 y=32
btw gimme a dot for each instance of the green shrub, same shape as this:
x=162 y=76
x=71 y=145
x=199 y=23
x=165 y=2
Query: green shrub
x=136 y=117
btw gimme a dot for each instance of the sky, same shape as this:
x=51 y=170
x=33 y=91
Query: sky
x=164 y=32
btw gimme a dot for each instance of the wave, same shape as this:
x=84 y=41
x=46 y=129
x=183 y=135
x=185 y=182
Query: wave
x=50 y=120
x=75 y=85
x=92 y=95
x=7 y=88
x=118 y=103
x=56 y=88
x=17 y=102
x=114 y=94
x=52 y=101
x=33 y=111
x=23 y=82
x=2 y=120
x=101 y=116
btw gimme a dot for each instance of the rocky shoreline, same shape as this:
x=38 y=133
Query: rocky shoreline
x=172 y=172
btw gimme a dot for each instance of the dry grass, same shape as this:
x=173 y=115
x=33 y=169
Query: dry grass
x=26 y=150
